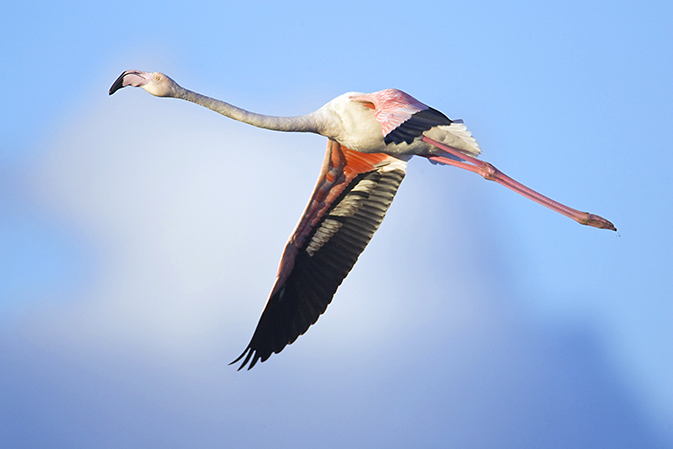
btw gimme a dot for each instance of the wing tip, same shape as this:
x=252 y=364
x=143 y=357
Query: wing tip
x=248 y=354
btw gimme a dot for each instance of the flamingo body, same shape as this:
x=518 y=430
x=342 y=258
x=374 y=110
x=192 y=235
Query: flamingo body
x=370 y=139
x=391 y=122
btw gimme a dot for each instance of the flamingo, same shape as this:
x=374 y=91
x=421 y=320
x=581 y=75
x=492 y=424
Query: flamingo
x=370 y=138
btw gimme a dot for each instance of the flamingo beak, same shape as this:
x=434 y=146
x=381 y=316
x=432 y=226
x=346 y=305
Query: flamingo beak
x=133 y=78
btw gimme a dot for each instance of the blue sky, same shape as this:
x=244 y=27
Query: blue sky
x=139 y=237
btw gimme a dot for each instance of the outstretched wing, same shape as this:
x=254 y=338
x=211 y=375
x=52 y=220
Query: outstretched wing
x=350 y=199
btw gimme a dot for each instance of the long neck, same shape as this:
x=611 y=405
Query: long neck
x=304 y=123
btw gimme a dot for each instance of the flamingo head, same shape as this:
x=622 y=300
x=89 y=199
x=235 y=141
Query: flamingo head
x=155 y=83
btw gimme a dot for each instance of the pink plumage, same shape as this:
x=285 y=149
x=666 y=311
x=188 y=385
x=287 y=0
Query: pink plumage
x=392 y=107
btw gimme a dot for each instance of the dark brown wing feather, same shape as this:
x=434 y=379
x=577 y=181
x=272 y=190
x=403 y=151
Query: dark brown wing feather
x=348 y=204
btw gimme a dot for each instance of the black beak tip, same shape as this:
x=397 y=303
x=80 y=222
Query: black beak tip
x=118 y=84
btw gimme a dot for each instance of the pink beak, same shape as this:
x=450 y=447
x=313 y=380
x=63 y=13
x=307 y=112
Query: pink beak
x=133 y=78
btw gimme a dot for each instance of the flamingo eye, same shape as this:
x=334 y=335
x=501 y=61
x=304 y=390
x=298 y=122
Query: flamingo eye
x=157 y=77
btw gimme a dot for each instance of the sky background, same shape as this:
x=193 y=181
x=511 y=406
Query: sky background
x=140 y=237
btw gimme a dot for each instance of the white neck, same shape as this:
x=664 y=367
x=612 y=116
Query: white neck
x=304 y=123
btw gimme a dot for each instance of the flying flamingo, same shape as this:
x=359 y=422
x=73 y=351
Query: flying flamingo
x=370 y=139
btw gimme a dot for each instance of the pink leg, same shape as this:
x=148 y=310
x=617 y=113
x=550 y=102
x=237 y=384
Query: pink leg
x=491 y=173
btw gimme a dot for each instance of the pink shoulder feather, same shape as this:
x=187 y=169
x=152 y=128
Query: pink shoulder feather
x=392 y=107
